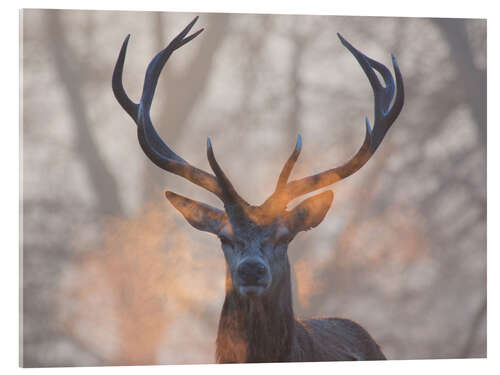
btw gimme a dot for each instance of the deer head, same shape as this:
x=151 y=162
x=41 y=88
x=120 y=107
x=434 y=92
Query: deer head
x=255 y=239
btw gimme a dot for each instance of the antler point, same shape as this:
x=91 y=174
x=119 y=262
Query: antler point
x=394 y=61
x=368 y=126
x=343 y=40
x=299 y=142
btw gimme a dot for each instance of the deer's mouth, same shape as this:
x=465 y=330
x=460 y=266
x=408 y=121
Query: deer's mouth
x=253 y=290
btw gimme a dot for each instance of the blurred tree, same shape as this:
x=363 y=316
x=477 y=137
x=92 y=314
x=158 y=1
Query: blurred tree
x=473 y=85
x=103 y=182
x=472 y=77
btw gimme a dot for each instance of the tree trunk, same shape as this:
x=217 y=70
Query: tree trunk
x=68 y=70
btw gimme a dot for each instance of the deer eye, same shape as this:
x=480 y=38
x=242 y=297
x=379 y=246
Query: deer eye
x=282 y=236
x=226 y=240
x=280 y=240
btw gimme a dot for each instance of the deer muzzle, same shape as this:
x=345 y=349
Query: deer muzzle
x=253 y=277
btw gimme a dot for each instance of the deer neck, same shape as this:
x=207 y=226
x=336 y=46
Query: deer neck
x=256 y=329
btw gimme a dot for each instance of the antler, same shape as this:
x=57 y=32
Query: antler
x=384 y=118
x=151 y=143
x=160 y=154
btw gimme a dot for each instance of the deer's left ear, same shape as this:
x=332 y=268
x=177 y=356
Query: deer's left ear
x=309 y=213
x=199 y=215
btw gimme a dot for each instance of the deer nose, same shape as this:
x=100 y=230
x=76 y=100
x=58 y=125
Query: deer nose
x=252 y=272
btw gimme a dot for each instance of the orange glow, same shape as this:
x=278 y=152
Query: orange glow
x=307 y=285
x=131 y=291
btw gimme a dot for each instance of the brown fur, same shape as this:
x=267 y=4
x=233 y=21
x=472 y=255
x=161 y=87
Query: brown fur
x=264 y=329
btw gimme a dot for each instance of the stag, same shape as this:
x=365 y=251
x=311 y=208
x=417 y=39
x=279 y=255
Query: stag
x=257 y=322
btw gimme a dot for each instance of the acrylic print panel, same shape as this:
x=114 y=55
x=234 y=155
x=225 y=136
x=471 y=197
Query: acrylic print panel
x=113 y=274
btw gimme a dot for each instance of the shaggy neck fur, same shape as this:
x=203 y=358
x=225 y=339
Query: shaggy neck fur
x=257 y=329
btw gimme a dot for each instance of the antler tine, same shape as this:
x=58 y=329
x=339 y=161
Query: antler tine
x=275 y=202
x=156 y=65
x=397 y=106
x=117 y=83
x=235 y=205
x=132 y=108
x=382 y=95
x=151 y=143
x=230 y=193
x=290 y=163
x=383 y=120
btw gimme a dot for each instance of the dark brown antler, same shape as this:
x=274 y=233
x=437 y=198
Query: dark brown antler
x=287 y=168
x=160 y=154
x=151 y=143
x=235 y=205
x=384 y=118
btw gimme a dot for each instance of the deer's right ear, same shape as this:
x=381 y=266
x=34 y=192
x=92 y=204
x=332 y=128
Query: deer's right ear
x=199 y=215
